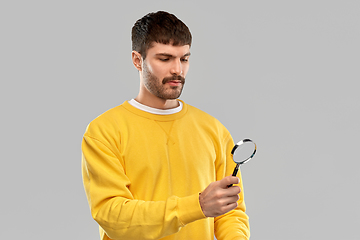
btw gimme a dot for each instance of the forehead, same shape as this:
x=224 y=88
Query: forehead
x=160 y=48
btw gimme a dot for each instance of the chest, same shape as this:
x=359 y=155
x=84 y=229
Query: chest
x=179 y=158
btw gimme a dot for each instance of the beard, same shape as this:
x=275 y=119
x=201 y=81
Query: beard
x=158 y=88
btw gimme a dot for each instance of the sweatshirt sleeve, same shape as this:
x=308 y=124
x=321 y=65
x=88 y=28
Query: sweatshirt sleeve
x=233 y=225
x=113 y=206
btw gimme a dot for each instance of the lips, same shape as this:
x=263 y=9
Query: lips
x=174 y=80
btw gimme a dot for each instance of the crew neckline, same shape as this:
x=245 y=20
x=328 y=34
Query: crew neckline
x=157 y=111
x=156 y=117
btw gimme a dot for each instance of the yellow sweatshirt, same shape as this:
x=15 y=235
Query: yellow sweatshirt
x=143 y=173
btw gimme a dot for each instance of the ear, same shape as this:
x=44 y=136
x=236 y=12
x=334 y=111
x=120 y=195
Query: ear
x=137 y=60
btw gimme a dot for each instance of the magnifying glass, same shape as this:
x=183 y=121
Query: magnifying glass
x=242 y=152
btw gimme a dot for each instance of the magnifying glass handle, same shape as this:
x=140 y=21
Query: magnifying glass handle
x=236 y=169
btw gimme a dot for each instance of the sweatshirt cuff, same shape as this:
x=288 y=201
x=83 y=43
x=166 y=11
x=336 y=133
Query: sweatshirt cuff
x=189 y=209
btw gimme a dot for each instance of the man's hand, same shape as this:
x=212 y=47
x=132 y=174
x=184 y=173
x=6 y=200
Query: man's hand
x=217 y=199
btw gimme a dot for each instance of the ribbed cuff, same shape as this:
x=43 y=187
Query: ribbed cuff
x=189 y=209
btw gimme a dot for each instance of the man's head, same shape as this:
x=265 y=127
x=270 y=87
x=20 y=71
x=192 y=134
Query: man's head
x=159 y=27
x=161 y=51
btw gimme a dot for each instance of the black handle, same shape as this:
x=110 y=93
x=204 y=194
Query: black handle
x=236 y=169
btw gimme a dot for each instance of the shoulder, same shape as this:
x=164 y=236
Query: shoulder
x=107 y=121
x=201 y=115
x=206 y=120
x=198 y=112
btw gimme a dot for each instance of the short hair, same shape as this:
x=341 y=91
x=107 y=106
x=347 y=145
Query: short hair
x=160 y=27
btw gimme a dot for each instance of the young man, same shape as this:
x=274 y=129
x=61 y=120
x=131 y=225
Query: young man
x=156 y=167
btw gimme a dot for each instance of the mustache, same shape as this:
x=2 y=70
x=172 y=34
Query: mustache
x=172 y=78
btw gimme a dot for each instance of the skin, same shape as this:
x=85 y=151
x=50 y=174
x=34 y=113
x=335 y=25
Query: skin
x=162 y=78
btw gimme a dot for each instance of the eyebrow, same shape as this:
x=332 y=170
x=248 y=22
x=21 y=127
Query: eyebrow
x=171 y=56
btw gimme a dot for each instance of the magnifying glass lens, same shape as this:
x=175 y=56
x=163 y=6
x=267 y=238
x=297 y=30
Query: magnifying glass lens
x=243 y=152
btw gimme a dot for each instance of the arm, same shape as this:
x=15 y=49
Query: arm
x=113 y=205
x=233 y=224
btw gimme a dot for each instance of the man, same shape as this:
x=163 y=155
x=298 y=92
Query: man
x=156 y=167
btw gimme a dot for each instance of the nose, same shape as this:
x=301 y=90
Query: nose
x=176 y=68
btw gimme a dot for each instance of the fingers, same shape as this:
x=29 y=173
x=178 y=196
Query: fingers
x=229 y=200
x=228 y=208
x=232 y=191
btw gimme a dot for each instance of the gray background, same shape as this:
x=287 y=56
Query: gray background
x=284 y=73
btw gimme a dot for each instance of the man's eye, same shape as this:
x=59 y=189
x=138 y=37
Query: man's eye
x=184 y=60
x=164 y=59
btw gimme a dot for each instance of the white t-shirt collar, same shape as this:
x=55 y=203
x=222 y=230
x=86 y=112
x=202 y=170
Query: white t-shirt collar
x=148 y=109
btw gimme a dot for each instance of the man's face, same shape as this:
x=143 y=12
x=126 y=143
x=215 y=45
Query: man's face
x=164 y=70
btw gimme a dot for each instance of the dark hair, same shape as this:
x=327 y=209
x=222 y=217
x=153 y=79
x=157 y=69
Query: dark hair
x=160 y=27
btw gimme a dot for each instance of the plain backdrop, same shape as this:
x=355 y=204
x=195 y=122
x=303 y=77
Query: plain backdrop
x=283 y=73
